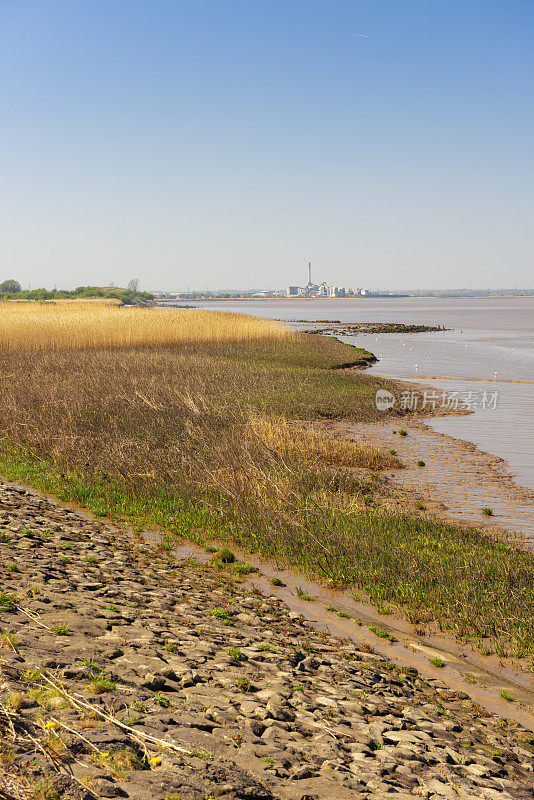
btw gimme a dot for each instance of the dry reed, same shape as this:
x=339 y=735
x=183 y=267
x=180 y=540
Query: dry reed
x=302 y=442
x=75 y=325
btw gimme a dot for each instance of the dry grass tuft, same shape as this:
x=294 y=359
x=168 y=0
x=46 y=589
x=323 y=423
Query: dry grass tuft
x=300 y=442
x=76 y=325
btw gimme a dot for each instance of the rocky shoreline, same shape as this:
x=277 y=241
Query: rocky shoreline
x=338 y=328
x=127 y=672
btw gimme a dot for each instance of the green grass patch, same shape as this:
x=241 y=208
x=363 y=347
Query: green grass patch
x=219 y=613
x=7 y=600
x=236 y=654
x=60 y=630
x=92 y=666
x=265 y=647
x=302 y=595
x=161 y=700
x=382 y=634
x=244 y=685
x=99 y=685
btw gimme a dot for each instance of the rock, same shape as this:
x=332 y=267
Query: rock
x=398 y=737
x=154 y=682
x=301 y=773
x=187 y=679
x=57 y=702
x=105 y=788
x=279 y=712
x=255 y=726
x=295 y=657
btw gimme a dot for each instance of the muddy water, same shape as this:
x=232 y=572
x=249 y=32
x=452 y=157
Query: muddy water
x=490 y=347
x=482 y=678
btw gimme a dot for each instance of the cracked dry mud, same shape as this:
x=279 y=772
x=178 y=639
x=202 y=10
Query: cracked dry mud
x=128 y=673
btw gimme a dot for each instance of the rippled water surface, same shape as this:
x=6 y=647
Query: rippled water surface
x=489 y=347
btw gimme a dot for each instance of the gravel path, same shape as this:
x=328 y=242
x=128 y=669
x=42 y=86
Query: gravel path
x=127 y=673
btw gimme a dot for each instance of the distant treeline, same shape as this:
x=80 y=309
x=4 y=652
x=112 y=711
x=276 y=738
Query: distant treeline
x=126 y=296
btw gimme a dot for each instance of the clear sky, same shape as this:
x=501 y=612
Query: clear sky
x=225 y=143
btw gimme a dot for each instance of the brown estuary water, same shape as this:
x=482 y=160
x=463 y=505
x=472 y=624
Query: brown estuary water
x=488 y=348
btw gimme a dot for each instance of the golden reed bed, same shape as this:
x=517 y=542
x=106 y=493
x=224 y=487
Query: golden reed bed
x=79 y=325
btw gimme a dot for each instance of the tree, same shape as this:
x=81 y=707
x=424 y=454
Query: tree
x=133 y=285
x=10 y=287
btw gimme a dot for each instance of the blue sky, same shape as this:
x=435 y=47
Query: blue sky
x=225 y=143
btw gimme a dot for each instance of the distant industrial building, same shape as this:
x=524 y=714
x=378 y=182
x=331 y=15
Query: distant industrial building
x=336 y=291
x=321 y=289
x=294 y=291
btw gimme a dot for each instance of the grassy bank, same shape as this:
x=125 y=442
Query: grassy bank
x=208 y=438
x=434 y=572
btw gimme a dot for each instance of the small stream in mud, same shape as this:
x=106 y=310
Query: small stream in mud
x=481 y=677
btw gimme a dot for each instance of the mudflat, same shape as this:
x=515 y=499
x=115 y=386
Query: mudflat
x=126 y=672
x=458 y=479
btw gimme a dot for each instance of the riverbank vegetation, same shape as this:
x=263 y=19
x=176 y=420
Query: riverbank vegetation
x=207 y=432
x=11 y=290
x=82 y=325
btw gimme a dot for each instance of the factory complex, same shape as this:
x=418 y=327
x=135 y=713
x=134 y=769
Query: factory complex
x=322 y=289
